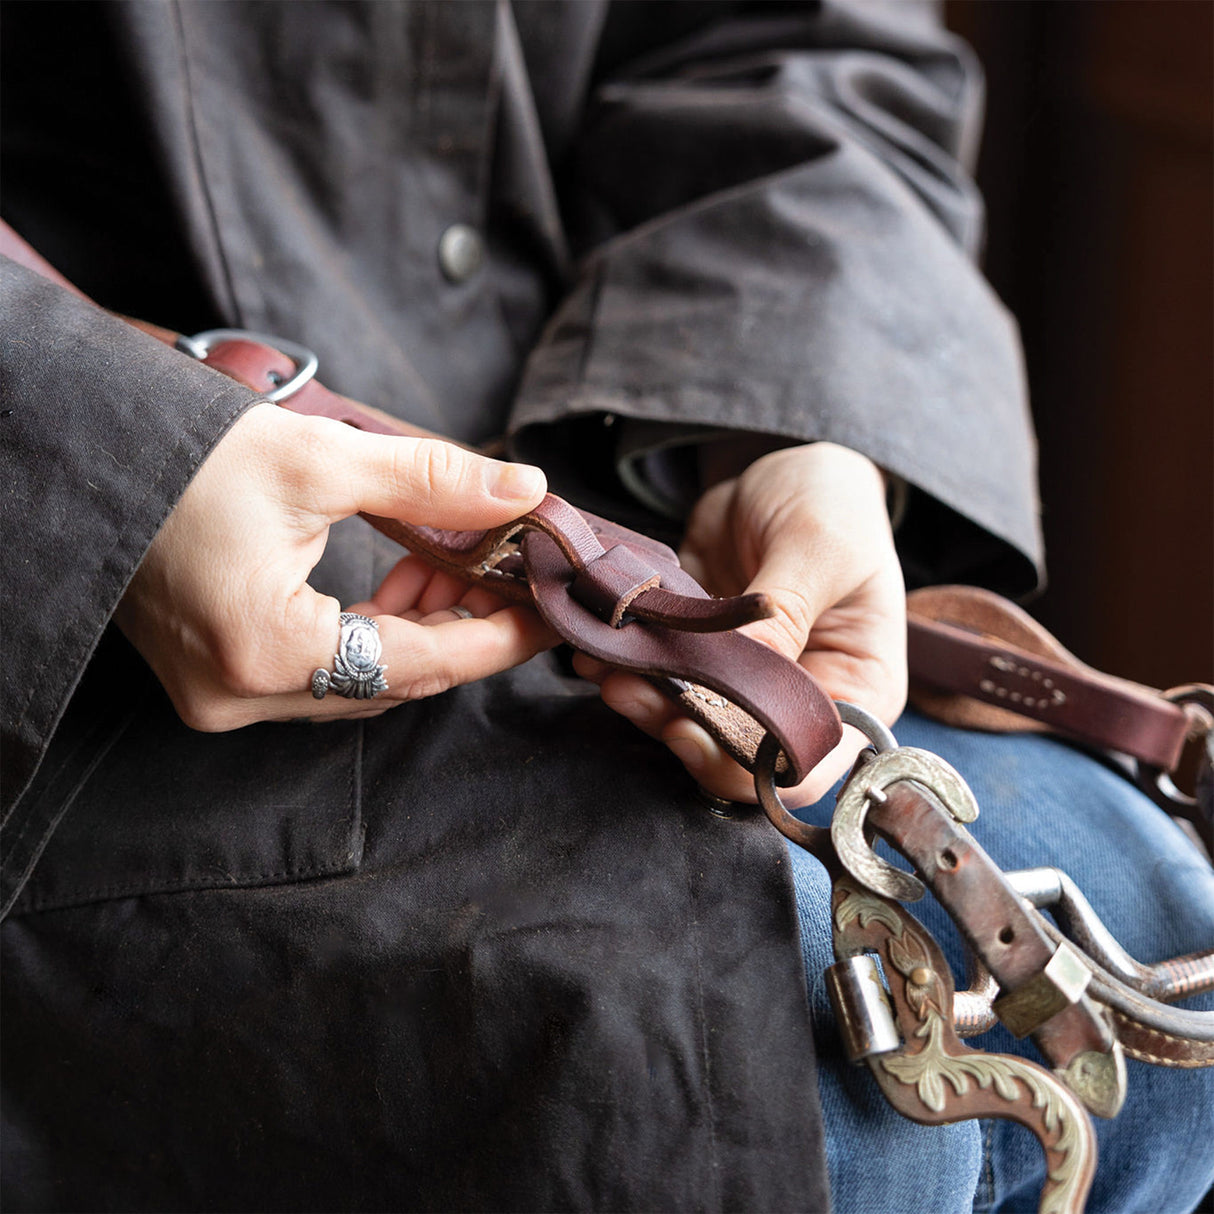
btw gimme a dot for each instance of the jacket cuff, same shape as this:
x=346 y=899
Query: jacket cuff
x=876 y=333
x=103 y=429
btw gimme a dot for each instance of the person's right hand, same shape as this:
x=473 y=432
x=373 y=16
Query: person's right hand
x=807 y=526
x=220 y=606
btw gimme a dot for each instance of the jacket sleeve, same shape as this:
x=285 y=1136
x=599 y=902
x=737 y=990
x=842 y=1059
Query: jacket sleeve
x=781 y=235
x=102 y=427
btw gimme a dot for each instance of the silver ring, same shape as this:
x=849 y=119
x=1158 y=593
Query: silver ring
x=879 y=735
x=357 y=674
x=462 y=612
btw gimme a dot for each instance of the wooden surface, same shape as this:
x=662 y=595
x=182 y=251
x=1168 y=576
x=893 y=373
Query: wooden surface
x=1097 y=170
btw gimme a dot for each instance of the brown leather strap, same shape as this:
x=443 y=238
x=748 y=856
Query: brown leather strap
x=576 y=583
x=778 y=695
x=978 y=661
x=998 y=925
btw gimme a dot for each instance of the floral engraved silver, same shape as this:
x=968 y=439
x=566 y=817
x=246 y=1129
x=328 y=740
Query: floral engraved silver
x=357 y=673
x=948 y=1080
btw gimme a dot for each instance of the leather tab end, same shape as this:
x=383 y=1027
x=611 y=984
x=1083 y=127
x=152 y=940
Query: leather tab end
x=609 y=583
x=689 y=614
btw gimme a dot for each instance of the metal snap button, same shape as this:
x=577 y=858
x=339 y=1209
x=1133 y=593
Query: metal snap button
x=460 y=252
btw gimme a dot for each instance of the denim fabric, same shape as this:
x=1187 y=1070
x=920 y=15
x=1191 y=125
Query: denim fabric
x=877 y=1160
x=1041 y=802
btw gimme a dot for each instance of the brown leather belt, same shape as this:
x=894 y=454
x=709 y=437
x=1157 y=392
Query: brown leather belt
x=980 y=662
x=972 y=643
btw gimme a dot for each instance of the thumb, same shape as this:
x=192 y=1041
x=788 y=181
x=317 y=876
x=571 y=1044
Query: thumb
x=798 y=590
x=418 y=480
x=851 y=639
x=849 y=632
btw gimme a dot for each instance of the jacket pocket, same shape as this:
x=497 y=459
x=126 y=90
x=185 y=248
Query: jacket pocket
x=130 y=801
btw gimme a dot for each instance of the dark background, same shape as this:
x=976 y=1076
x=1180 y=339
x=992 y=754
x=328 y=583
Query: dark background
x=1097 y=170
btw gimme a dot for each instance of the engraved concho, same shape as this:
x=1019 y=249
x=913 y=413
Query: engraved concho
x=357 y=674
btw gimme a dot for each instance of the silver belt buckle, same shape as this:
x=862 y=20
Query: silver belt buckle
x=306 y=362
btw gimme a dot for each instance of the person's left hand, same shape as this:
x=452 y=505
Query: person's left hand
x=808 y=526
x=221 y=607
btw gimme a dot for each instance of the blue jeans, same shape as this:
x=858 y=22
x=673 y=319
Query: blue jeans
x=1042 y=802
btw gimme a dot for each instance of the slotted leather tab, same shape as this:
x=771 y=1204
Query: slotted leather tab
x=610 y=582
x=757 y=689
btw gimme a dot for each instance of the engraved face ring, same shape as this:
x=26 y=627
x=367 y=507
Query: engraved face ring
x=356 y=673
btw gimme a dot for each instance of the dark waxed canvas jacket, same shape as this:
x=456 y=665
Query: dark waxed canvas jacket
x=487 y=951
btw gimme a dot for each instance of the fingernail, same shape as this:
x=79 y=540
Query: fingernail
x=688 y=753
x=515 y=482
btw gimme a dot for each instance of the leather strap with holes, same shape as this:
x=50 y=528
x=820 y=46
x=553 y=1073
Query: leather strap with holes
x=978 y=661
